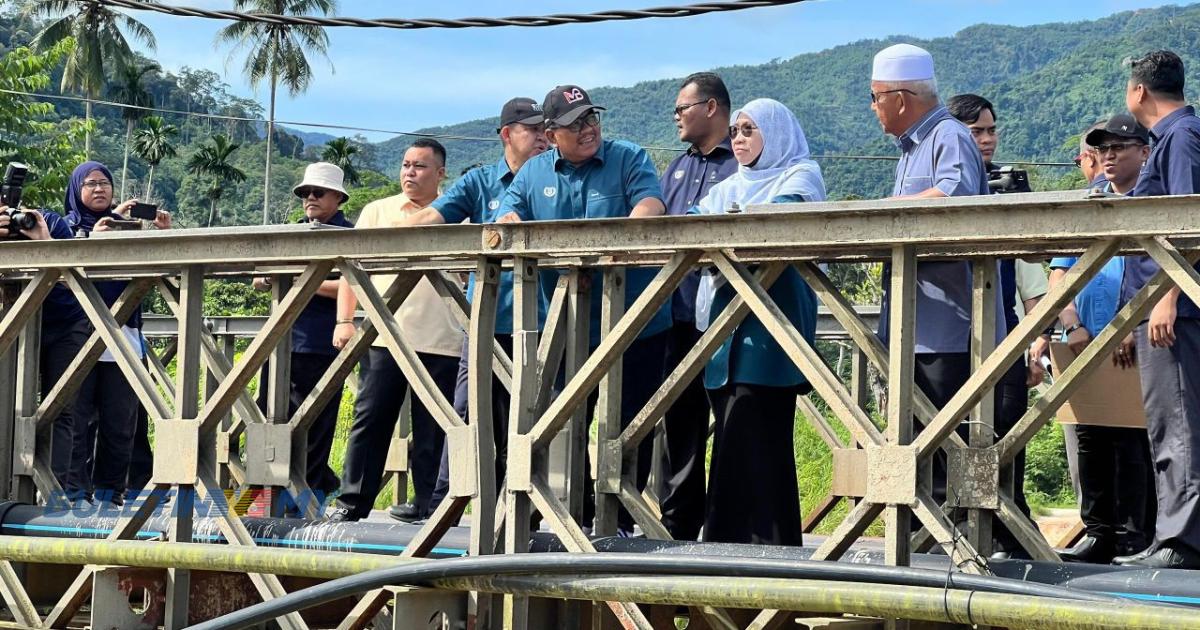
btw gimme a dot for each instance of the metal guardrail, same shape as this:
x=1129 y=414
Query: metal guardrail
x=888 y=462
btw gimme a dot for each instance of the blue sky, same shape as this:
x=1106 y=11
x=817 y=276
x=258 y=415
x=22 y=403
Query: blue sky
x=404 y=80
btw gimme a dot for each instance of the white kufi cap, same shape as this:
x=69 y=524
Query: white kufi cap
x=902 y=62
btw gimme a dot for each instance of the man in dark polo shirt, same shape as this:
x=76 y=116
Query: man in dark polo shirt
x=702 y=118
x=323 y=193
x=1167 y=346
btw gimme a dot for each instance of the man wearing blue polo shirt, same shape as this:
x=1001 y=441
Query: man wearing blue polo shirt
x=1168 y=345
x=475 y=198
x=587 y=177
x=322 y=192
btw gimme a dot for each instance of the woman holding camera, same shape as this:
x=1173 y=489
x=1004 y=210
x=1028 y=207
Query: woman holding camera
x=106 y=407
x=64 y=330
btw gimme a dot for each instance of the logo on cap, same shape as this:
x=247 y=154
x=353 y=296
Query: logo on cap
x=550 y=191
x=535 y=107
x=574 y=96
x=1124 y=127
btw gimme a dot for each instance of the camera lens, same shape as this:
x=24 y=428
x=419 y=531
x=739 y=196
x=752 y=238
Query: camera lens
x=23 y=220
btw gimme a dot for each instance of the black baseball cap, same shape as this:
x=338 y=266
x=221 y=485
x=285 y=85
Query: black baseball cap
x=1122 y=126
x=566 y=103
x=522 y=110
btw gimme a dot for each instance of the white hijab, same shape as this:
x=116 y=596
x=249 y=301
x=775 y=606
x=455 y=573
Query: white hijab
x=783 y=168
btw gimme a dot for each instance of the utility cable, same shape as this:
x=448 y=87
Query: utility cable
x=422 y=134
x=427 y=23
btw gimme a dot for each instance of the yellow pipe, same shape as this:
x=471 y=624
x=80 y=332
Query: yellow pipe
x=169 y=555
x=870 y=600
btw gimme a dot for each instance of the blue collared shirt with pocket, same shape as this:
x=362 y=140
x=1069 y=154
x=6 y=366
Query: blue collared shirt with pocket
x=476 y=198
x=618 y=177
x=1097 y=303
x=939 y=152
x=1173 y=168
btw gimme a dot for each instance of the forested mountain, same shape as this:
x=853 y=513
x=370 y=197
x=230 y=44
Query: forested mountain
x=1048 y=81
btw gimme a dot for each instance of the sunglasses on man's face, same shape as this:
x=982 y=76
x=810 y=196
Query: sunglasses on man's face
x=315 y=193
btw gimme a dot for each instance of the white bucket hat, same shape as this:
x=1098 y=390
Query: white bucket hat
x=322 y=175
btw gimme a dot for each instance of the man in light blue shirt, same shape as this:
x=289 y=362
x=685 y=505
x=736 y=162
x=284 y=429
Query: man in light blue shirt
x=938 y=158
x=587 y=177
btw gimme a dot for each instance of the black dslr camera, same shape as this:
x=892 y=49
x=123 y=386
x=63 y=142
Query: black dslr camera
x=10 y=195
x=1007 y=179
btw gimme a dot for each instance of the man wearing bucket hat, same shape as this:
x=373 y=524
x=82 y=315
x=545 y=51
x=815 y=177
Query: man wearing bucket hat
x=322 y=193
x=587 y=177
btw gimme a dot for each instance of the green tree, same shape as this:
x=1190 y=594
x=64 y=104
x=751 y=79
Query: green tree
x=154 y=143
x=47 y=148
x=212 y=160
x=341 y=151
x=130 y=89
x=278 y=54
x=99 y=38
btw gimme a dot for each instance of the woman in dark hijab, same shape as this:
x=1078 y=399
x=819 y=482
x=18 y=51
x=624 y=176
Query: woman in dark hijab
x=106 y=409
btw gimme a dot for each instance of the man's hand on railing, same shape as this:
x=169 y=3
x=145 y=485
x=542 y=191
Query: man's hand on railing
x=511 y=217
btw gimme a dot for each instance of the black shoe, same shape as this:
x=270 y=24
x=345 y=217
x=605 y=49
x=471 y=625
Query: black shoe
x=1169 y=557
x=341 y=514
x=406 y=513
x=1015 y=554
x=1091 y=550
x=1141 y=555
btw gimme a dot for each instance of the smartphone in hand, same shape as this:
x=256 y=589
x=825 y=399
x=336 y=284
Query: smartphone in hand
x=146 y=211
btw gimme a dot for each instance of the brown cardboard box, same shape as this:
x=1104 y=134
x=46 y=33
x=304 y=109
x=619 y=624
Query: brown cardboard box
x=1110 y=396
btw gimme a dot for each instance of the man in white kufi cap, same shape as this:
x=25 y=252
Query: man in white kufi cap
x=938 y=158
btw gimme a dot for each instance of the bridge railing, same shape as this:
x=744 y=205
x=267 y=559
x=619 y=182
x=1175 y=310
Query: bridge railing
x=750 y=250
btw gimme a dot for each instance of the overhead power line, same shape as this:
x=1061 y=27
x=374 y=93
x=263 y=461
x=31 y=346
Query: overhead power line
x=469 y=22
x=418 y=134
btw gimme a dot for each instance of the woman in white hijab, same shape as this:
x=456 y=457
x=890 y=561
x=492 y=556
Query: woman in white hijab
x=752 y=385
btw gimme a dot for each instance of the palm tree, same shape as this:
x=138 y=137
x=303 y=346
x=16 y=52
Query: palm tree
x=341 y=151
x=99 y=38
x=212 y=160
x=277 y=53
x=153 y=144
x=130 y=90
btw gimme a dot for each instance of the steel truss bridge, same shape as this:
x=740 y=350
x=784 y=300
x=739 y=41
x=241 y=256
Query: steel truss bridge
x=211 y=438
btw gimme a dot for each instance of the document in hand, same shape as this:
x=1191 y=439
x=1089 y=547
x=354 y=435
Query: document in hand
x=1110 y=396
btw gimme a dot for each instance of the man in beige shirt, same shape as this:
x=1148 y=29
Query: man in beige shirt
x=427 y=327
